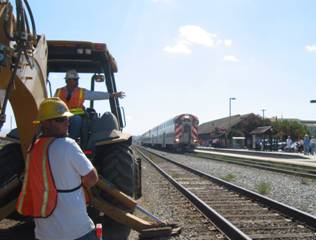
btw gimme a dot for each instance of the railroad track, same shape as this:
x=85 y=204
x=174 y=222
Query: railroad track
x=288 y=168
x=167 y=203
x=237 y=212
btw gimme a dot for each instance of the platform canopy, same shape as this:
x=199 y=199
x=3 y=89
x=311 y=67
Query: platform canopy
x=262 y=130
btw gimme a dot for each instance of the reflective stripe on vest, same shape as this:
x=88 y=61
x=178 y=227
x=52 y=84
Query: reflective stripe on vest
x=75 y=104
x=38 y=197
x=76 y=111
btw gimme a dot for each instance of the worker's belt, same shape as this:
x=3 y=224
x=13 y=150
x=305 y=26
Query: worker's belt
x=69 y=190
x=77 y=111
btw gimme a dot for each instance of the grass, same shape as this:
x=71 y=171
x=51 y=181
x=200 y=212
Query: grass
x=263 y=188
x=229 y=177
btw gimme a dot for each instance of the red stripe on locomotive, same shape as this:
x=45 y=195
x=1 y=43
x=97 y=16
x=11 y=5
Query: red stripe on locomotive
x=178 y=131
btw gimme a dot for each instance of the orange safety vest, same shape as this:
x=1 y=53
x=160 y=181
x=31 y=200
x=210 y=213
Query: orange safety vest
x=75 y=104
x=38 y=197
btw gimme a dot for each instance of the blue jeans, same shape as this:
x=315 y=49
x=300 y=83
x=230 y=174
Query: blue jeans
x=75 y=126
x=89 y=236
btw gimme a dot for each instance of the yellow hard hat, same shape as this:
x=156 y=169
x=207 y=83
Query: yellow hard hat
x=52 y=108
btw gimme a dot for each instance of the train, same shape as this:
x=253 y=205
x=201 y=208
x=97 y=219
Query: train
x=179 y=134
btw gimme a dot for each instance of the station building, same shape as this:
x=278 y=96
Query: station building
x=224 y=132
x=231 y=131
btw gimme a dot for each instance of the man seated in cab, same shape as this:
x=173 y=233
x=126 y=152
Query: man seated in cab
x=74 y=97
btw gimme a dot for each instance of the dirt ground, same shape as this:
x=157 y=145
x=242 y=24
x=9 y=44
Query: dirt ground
x=14 y=229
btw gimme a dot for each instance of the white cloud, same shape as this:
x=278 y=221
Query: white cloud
x=310 y=48
x=180 y=47
x=190 y=35
x=198 y=35
x=228 y=43
x=230 y=58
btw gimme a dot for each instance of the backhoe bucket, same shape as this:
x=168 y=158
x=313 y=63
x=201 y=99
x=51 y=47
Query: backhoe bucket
x=147 y=229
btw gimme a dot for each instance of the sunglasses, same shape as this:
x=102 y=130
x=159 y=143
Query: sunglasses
x=60 y=120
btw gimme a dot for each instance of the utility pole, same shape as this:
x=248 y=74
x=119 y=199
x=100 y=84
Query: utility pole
x=230 y=114
x=263 y=110
x=230 y=109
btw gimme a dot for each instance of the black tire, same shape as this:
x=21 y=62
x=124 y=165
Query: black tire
x=11 y=165
x=119 y=166
x=138 y=179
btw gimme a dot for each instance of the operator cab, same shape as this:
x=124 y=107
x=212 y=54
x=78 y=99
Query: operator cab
x=95 y=66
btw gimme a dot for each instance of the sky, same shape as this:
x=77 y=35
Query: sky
x=191 y=56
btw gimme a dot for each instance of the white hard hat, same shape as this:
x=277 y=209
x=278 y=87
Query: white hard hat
x=72 y=74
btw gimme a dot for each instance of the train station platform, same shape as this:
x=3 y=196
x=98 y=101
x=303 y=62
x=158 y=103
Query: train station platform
x=277 y=157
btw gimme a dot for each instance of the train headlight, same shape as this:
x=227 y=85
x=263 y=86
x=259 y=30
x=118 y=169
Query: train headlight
x=195 y=140
x=177 y=140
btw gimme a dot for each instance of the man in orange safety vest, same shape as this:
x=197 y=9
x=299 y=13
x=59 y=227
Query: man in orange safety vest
x=74 y=97
x=55 y=172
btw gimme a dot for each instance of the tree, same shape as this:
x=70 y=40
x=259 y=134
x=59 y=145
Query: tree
x=293 y=128
x=248 y=124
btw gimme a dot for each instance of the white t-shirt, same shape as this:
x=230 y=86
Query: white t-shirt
x=70 y=219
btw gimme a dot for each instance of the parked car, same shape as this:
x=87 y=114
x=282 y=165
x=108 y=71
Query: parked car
x=282 y=146
x=295 y=147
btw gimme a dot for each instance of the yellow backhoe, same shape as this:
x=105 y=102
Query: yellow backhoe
x=26 y=61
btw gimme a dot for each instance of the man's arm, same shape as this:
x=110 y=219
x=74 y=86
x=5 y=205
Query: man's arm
x=81 y=164
x=96 y=95
x=90 y=179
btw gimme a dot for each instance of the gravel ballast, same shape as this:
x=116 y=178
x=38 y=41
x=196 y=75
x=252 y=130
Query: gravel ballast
x=298 y=192
x=165 y=202
x=294 y=191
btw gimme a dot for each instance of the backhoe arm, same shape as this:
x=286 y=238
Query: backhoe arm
x=22 y=75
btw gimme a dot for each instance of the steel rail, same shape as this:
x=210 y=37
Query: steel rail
x=265 y=159
x=266 y=165
x=222 y=223
x=294 y=213
x=280 y=155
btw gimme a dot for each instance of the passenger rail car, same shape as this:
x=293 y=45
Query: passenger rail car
x=179 y=133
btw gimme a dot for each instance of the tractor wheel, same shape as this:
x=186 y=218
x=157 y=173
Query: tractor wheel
x=11 y=165
x=120 y=167
x=117 y=164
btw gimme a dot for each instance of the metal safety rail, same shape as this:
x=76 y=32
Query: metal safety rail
x=239 y=213
x=275 y=166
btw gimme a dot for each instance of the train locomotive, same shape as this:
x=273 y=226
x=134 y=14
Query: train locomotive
x=179 y=134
